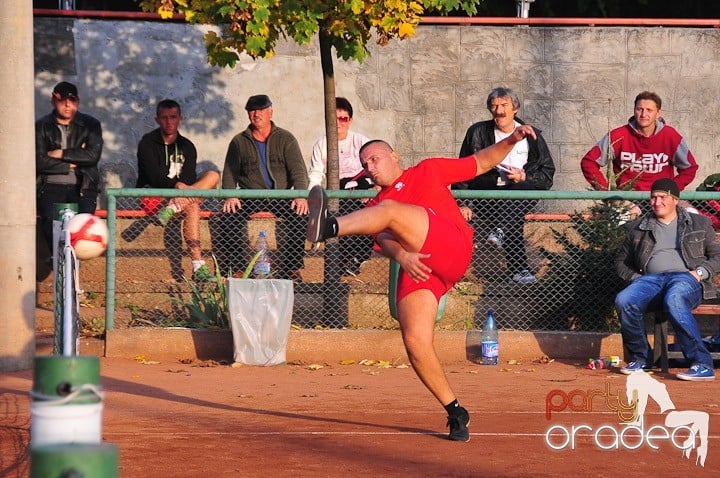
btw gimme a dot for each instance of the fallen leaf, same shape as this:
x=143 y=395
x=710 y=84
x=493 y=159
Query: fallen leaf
x=148 y=362
x=403 y=365
x=347 y=362
x=314 y=366
x=366 y=362
x=513 y=362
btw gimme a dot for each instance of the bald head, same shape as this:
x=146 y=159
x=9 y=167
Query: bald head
x=380 y=162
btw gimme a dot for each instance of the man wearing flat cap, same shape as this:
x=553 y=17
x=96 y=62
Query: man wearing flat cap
x=669 y=256
x=265 y=156
x=68 y=145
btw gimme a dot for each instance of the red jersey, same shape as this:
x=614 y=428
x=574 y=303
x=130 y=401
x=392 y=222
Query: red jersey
x=428 y=185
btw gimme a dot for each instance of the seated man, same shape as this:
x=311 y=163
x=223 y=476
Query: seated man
x=263 y=156
x=669 y=256
x=528 y=166
x=416 y=221
x=166 y=159
x=642 y=151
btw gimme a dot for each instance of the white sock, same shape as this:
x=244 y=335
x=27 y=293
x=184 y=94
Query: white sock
x=172 y=205
x=197 y=264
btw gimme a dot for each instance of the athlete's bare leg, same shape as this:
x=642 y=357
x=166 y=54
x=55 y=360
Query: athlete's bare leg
x=417 y=313
x=407 y=223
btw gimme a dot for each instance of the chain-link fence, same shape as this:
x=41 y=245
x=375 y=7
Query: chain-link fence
x=542 y=261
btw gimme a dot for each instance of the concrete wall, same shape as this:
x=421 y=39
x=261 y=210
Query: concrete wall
x=420 y=95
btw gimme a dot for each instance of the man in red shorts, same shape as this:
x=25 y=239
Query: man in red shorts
x=416 y=221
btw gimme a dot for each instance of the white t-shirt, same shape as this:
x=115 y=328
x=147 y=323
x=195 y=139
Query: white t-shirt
x=348 y=151
x=516 y=158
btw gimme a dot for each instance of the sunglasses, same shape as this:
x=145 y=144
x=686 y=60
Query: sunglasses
x=343 y=119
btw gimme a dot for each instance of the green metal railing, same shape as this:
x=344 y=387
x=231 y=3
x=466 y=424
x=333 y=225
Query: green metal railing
x=550 y=202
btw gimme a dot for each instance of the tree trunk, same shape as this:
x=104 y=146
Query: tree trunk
x=333 y=168
x=334 y=298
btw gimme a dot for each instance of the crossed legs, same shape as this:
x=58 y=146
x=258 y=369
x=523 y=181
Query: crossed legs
x=190 y=208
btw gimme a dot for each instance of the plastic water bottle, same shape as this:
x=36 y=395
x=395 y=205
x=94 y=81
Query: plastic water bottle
x=261 y=269
x=489 y=340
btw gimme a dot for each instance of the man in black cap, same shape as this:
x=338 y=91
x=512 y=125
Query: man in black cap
x=264 y=157
x=68 y=145
x=669 y=256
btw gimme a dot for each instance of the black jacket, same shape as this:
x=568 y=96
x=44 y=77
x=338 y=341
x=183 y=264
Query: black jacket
x=698 y=247
x=539 y=168
x=84 y=143
x=154 y=158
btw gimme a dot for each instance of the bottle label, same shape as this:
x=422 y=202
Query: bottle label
x=261 y=269
x=490 y=349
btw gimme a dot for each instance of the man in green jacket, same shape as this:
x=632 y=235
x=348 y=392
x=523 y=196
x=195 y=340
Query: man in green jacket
x=265 y=156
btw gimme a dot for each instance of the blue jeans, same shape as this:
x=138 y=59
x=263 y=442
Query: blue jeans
x=675 y=293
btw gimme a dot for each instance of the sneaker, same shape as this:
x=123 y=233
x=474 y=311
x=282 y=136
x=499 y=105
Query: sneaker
x=697 y=373
x=458 y=426
x=524 y=277
x=496 y=237
x=203 y=274
x=634 y=367
x=164 y=215
x=317 y=203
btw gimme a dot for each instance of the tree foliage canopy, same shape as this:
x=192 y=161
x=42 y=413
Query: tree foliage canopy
x=255 y=26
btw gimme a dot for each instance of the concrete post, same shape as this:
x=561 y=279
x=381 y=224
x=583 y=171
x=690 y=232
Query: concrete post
x=523 y=8
x=17 y=183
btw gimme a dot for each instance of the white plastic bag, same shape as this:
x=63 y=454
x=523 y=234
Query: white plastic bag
x=260 y=315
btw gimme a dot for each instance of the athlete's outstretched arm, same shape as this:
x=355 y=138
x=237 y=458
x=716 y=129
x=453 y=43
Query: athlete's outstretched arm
x=488 y=158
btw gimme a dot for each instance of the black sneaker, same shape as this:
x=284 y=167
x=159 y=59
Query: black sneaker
x=317 y=203
x=458 y=426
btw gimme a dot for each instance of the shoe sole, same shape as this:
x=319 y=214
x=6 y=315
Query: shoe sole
x=317 y=205
x=628 y=372
x=694 y=379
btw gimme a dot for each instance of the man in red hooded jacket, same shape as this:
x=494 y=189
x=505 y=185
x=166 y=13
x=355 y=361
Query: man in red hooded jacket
x=643 y=151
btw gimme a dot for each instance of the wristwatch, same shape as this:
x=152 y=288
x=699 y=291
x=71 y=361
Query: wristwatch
x=699 y=272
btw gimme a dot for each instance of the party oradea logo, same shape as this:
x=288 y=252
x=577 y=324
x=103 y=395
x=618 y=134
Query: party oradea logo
x=684 y=430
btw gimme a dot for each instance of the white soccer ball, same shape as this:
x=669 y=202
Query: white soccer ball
x=88 y=235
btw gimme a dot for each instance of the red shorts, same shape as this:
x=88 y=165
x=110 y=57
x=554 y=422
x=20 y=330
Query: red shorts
x=450 y=250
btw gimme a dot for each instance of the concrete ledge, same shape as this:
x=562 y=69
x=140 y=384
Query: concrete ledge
x=336 y=345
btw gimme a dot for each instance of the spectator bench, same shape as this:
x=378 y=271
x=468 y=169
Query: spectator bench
x=661 y=353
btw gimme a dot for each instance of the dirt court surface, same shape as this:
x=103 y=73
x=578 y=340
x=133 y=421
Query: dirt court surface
x=205 y=419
